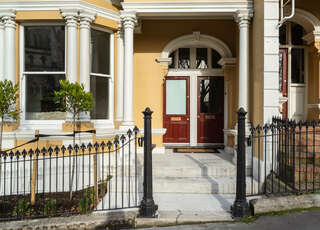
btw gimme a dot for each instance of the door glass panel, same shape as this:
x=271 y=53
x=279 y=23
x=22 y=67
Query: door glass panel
x=297 y=33
x=215 y=57
x=210 y=93
x=283 y=35
x=202 y=58
x=297 y=65
x=176 y=97
x=184 y=58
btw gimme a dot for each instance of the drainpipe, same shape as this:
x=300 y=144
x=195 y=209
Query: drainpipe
x=288 y=17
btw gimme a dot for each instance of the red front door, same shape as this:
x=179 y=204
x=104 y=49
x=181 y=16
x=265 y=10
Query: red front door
x=176 y=110
x=210 y=109
x=284 y=80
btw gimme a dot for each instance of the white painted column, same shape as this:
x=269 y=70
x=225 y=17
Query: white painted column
x=1 y=50
x=243 y=19
x=9 y=46
x=71 y=17
x=86 y=18
x=225 y=125
x=120 y=68
x=2 y=56
x=129 y=21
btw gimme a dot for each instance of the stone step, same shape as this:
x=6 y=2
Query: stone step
x=199 y=185
x=179 y=171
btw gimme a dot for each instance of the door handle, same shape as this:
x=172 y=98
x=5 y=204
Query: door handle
x=188 y=119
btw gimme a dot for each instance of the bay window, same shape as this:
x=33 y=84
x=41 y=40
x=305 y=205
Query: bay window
x=43 y=67
x=100 y=73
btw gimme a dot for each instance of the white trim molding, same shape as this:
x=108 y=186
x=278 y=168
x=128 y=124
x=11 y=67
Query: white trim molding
x=314 y=106
x=194 y=41
x=180 y=9
x=22 y=5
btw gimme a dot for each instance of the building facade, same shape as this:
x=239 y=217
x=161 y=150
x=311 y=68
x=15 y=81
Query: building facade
x=194 y=63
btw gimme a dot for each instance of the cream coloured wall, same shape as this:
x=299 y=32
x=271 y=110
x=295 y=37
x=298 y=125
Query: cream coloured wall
x=257 y=64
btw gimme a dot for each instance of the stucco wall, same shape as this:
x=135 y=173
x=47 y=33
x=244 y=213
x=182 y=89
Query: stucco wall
x=149 y=75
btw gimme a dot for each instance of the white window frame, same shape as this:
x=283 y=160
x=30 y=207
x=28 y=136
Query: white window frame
x=36 y=124
x=106 y=123
x=289 y=46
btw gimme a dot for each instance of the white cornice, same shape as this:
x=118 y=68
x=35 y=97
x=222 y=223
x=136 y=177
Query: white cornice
x=57 y=4
x=183 y=8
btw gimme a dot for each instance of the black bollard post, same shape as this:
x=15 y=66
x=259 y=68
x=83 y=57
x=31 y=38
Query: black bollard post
x=240 y=207
x=147 y=206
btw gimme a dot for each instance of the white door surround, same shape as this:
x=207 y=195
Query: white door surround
x=196 y=40
x=193 y=75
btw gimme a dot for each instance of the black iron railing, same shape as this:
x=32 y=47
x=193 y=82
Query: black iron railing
x=65 y=180
x=282 y=157
x=285 y=157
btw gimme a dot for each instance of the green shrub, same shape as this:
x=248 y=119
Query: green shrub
x=86 y=201
x=21 y=208
x=49 y=206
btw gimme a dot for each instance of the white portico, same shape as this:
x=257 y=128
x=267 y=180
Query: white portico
x=240 y=12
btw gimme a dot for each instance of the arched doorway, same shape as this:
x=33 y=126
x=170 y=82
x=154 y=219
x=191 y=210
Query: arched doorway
x=195 y=108
x=295 y=38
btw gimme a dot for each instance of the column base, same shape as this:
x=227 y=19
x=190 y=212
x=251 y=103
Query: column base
x=126 y=125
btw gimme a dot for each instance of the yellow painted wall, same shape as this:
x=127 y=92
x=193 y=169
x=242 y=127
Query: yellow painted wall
x=148 y=74
x=104 y=4
x=229 y=1
x=311 y=6
x=257 y=64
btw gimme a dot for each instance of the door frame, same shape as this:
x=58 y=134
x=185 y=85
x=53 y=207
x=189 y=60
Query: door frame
x=193 y=75
x=187 y=115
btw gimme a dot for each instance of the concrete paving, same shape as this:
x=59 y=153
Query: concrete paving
x=307 y=220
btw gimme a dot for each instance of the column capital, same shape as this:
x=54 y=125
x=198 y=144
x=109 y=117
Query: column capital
x=86 y=18
x=8 y=17
x=243 y=17
x=128 y=18
x=227 y=62
x=71 y=16
x=120 y=31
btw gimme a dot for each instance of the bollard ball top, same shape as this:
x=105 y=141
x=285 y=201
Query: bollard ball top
x=147 y=111
x=242 y=112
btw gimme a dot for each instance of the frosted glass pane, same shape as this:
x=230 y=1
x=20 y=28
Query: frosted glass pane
x=176 y=97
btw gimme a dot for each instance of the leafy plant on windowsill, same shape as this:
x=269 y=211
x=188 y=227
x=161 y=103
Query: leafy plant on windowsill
x=74 y=100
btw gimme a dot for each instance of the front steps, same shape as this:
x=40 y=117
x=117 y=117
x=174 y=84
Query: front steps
x=195 y=173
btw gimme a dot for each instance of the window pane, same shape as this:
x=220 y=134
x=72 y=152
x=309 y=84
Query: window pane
x=40 y=101
x=297 y=33
x=283 y=35
x=172 y=56
x=176 y=97
x=297 y=66
x=99 y=87
x=184 y=58
x=211 y=91
x=202 y=58
x=100 y=52
x=44 y=48
x=215 y=59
